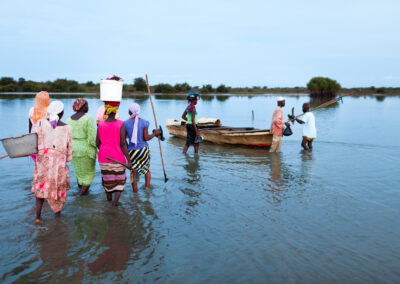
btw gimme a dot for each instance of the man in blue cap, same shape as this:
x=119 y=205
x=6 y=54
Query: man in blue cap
x=190 y=115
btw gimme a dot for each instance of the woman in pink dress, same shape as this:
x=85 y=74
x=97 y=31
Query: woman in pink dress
x=111 y=141
x=51 y=173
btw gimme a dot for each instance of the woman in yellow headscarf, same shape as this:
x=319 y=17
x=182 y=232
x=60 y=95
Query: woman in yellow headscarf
x=38 y=112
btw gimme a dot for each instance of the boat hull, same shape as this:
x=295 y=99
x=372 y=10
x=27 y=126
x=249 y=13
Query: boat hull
x=261 y=138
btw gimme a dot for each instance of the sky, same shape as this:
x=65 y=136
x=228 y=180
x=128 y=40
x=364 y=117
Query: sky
x=236 y=43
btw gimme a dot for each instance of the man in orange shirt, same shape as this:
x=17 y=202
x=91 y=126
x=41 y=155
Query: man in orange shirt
x=277 y=125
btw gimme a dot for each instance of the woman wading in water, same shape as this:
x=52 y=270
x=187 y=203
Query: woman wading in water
x=138 y=149
x=111 y=141
x=190 y=115
x=83 y=144
x=51 y=173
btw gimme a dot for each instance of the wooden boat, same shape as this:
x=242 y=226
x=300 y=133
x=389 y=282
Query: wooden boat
x=213 y=131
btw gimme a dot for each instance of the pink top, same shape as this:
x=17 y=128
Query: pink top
x=110 y=138
x=277 y=122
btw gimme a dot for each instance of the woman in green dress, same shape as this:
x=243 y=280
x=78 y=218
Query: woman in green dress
x=83 y=144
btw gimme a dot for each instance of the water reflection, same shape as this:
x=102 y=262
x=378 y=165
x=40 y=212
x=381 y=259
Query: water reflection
x=277 y=182
x=307 y=166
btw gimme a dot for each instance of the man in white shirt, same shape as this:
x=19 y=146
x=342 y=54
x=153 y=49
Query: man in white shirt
x=309 y=130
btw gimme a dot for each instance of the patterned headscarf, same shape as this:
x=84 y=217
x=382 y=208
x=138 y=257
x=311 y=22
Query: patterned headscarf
x=111 y=107
x=54 y=109
x=42 y=101
x=78 y=104
x=135 y=110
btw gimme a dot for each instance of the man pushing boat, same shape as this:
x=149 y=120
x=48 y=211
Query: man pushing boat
x=277 y=125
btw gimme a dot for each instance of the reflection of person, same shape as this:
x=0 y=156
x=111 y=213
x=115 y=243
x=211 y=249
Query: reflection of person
x=111 y=141
x=138 y=149
x=51 y=173
x=277 y=125
x=84 y=144
x=38 y=112
x=190 y=115
x=309 y=130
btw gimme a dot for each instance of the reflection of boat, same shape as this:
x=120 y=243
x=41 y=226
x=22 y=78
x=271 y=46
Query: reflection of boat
x=213 y=131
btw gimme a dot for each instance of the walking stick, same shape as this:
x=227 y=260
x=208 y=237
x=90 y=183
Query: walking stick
x=134 y=176
x=155 y=120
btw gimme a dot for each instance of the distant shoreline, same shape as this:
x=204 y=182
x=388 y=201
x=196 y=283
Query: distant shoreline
x=231 y=94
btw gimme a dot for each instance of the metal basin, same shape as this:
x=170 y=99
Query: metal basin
x=21 y=146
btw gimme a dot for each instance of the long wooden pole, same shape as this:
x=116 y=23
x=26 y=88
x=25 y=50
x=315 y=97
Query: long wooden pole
x=155 y=120
x=324 y=105
x=2 y=157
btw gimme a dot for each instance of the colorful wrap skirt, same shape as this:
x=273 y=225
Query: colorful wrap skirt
x=113 y=177
x=140 y=160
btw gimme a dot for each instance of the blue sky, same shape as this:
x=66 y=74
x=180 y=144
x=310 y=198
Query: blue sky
x=238 y=43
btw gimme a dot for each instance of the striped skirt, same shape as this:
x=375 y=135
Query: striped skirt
x=140 y=160
x=113 y=177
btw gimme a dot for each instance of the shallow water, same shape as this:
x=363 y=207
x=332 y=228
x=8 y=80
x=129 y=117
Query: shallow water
x=231 y=214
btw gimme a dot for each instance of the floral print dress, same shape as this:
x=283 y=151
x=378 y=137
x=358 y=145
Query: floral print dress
x=51 y=173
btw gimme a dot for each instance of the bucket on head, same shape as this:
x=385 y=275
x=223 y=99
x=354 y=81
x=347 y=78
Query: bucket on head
x=21 y=146
x=111 y=90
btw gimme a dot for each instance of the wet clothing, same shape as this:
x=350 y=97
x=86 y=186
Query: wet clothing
x=309 y=129
x=308 y=138
x=113 y=177
x=85 y=150
x=191 y=135
x=129 y=125
x=277 y=122
x=140 y=160
x=51 y=172
x=276 y=143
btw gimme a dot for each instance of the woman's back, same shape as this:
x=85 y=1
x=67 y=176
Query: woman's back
x=129 y=125
x=110 y=141
x=83 y=136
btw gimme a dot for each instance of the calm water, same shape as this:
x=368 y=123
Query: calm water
x=231 y=214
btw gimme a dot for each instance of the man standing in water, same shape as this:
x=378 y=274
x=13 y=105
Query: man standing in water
x=277 y=125
x=309 y=130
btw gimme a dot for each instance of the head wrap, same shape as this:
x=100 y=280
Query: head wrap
x=135 y=110
x=42 y=101
x=78 y=104
x=111 y=107
x=100 y=114
x=281 y=99
x=54 y=109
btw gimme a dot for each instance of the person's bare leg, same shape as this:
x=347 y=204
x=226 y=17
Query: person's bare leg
x=116 y=198
x=147 y=178
x=84 y=190
x=185 y=149
x=109 y=196
x=79 y=186
x=304 y=143
x=39 y=206
x=196 y=149
x=134 y=186
x=310 y=146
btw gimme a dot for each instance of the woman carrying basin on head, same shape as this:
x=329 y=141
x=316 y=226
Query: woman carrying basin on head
x=51 y=173
x=83 y=144
x=139 y=153
x=111 y=141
